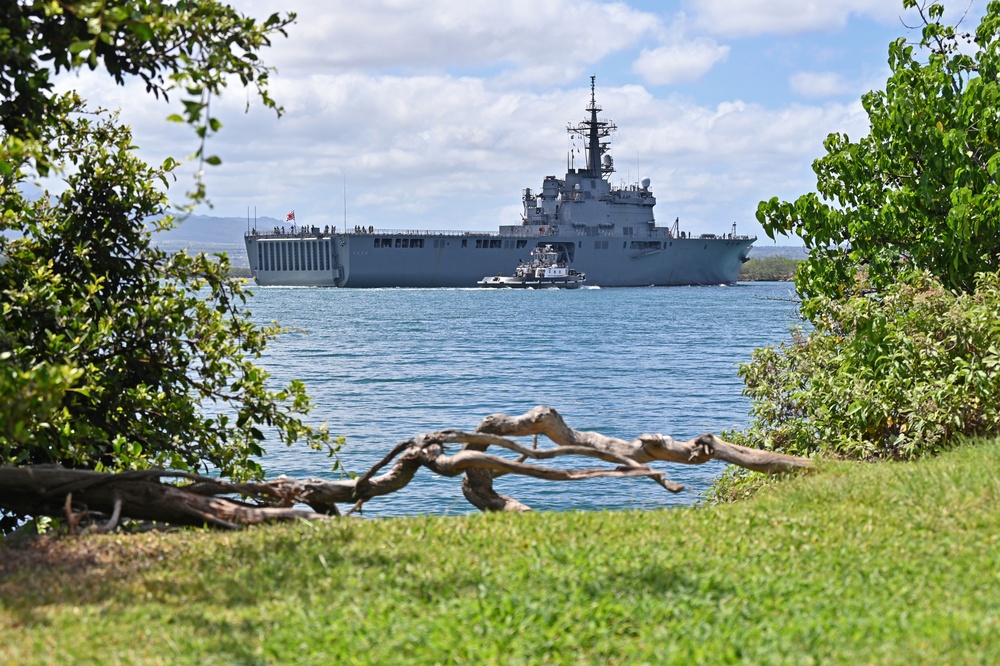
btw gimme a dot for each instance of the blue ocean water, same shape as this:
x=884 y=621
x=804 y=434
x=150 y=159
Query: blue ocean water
x=383 y=365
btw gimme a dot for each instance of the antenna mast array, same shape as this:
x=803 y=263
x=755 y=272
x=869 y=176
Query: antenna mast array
x=593 y=131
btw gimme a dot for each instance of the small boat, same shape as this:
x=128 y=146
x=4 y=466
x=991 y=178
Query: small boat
x=545 y=270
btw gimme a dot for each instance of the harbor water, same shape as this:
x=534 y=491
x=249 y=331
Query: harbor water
x=383 y=365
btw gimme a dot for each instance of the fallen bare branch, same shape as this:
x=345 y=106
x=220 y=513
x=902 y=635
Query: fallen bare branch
x=199 y=500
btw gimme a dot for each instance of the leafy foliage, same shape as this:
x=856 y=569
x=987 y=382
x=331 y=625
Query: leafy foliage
x=898 y=376
x=901 y=286
x=194 y=46
x=113 y=354
x=150 y=337
x=920 y=191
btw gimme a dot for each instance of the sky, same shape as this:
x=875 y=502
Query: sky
x=436 y=114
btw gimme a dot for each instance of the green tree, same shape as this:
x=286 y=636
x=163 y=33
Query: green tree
x=920 y=191
x=901 y=283
x=113 y=354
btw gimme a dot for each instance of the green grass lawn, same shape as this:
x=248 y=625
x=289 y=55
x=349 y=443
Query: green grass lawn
x=882 y=563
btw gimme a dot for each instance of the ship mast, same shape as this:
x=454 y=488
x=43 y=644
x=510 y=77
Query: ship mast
x=593 y=130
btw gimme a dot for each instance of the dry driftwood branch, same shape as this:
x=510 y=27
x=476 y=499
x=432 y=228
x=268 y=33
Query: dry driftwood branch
x=478 y=486
x=646 y=448
x=55 y=491
x=145 y=495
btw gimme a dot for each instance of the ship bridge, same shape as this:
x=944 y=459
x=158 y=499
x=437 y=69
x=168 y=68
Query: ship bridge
x=585 y=197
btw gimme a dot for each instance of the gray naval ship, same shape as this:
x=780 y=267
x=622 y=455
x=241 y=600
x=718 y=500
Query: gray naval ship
x=604 y=231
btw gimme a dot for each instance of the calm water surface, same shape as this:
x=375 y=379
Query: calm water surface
x=383 y=365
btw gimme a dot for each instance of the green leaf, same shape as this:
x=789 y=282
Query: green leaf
x=142 y=31
x=80 y=46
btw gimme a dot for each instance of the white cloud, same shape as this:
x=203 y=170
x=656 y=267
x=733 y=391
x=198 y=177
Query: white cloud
x=819 y=84
x=759 y=17
x=419 y=35
x=682 y=62
x=711 y=165
x=455 y=153
x=444 y=152
x=444 y=127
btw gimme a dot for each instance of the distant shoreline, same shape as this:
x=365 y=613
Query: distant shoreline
x=775 y=268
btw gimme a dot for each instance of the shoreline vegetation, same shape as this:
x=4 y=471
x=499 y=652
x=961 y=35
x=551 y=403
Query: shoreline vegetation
x=811 y=569
x=769 y=269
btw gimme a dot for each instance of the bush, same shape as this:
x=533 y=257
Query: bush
x=904 y=374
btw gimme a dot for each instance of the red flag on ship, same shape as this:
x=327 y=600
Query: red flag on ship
x=290 y=217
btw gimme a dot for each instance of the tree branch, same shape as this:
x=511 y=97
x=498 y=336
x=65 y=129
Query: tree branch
x=145 y=495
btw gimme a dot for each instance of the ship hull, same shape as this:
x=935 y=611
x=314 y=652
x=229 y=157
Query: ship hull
x=461 y=260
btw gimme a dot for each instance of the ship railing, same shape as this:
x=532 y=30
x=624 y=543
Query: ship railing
x=367 y=231
x=423 y=232
x=507 y=232
x=725 y=237
x=298 y=233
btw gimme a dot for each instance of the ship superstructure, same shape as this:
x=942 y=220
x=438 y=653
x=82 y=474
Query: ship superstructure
x=607 y=232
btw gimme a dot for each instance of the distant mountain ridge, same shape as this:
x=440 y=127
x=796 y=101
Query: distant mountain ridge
x=206 y=233
x=214 y=230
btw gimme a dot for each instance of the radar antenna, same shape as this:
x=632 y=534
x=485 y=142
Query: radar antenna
x=593 y=130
